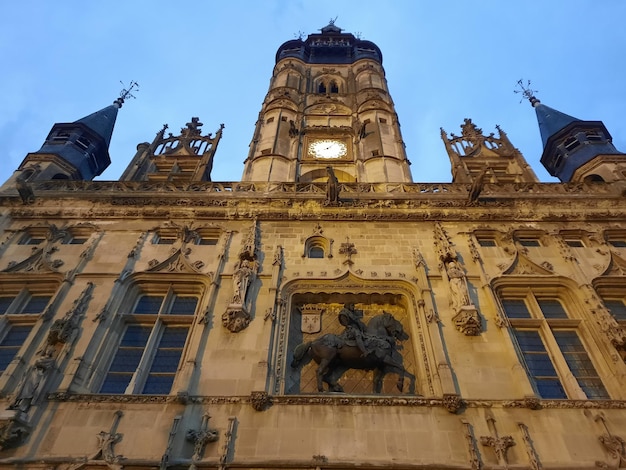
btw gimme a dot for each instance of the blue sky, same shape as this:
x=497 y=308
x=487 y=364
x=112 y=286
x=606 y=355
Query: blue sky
x=445 y=60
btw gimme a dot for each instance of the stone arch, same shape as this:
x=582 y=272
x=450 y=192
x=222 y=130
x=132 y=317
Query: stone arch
x=320 y=175
x=327 y=297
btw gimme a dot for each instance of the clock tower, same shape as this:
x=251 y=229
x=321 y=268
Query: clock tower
x=328 y=105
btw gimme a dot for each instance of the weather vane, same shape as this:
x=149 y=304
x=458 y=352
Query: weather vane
x=299 y=35
x=126 y=93
x=526 y=92
x=332 y=21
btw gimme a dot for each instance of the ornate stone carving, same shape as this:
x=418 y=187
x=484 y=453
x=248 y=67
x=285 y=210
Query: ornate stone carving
x=107 y=441
x=500 y=445
x=237 y=316
x=62 y=330
x=453 y=403
x=348 y=250
x=615 y=445
x=200 y=438
x=535 y=463
x=14 y=429
x=260 y=401
x=468 y=321
x=29 y=388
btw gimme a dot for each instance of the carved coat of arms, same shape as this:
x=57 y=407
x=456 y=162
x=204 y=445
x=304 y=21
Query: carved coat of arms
x=311 y=318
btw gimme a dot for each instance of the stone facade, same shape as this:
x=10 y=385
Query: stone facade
x=154 y=321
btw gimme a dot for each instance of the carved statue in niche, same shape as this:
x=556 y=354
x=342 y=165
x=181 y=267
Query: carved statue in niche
x=332 y=188
x=241 y=281
x=458 y=286
x=335 y=354
x=467 y=319
x=237 y=316
x=29 y=386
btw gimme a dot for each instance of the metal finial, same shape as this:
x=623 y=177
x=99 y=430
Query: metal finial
x=126 y=93
x=332 y=21
x=299 y=35
x=527 y=92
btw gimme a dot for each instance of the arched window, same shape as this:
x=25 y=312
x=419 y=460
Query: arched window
x=333 y=87
x=317 y=247
x=316 y=251
x=593 y=179
x=321 y=88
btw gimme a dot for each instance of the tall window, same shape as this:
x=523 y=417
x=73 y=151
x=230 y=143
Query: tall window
x=551 y=347
x=151 y=345
x=19 y=313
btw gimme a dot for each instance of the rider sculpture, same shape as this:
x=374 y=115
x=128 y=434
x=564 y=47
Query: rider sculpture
x=367 y=347
x=354 y=331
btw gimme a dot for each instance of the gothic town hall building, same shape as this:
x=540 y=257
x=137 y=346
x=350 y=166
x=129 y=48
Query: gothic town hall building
x=325 y=312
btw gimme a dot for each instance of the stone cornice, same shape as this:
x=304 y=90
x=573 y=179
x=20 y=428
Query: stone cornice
x=307 y=201
x=347 y=400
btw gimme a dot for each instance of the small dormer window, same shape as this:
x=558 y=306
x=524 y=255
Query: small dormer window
x=83 y=143
x=571 y=143
x=61 y=136
x=593 y=135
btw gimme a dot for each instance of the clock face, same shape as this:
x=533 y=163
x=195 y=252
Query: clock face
x=328 y=148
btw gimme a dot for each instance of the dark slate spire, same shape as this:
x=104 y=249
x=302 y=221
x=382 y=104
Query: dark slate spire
x=550 y=120
x=103 y=121
x=83 y=145
x=568 y=142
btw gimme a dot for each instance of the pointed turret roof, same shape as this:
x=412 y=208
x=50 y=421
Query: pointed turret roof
x=550 y=120
x=569 y=143
x=102 y=122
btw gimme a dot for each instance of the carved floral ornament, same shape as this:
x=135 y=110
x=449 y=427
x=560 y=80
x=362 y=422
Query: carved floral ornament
x=45 y=241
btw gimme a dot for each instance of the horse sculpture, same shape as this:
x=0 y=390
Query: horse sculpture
x=335 y=355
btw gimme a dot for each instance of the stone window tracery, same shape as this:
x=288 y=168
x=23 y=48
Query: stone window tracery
x=22 y=304
x=551 y=343
x=151 y=338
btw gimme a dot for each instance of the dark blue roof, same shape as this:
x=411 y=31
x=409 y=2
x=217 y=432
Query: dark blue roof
x=330 y=47
x=551 y=121
x=102 y=122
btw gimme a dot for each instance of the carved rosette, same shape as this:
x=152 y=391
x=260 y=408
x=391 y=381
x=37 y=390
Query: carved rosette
x=260 y=401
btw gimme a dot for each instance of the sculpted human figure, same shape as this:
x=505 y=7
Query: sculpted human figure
x=458 y=286
x=241 y=278
x=332 y=187
x=31 y=382
x=350 y=318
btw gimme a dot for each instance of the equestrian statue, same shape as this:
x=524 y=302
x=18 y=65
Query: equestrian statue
x=367 y=347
